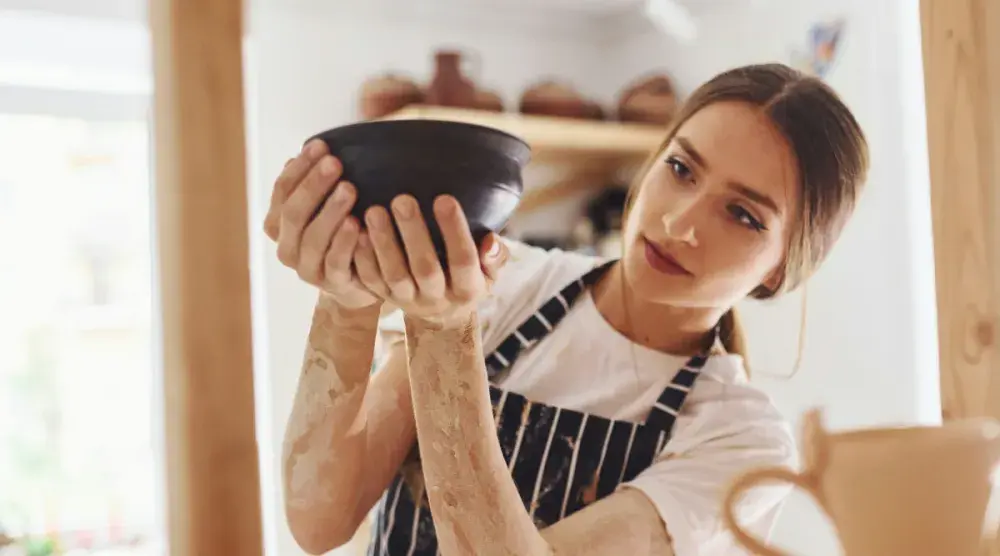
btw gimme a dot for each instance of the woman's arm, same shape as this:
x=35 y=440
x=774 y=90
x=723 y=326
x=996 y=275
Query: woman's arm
x=346 y=437
x=475 y=504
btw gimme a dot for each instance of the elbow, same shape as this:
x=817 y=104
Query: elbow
x=319 y=532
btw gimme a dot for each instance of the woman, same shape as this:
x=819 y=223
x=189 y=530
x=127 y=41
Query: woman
x=555 y=403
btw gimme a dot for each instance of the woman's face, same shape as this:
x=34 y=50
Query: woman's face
x=712 y=218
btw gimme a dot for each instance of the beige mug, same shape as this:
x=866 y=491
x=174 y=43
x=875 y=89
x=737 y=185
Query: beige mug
x=915 y=491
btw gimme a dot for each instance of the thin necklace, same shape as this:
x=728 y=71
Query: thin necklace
x=622 y=285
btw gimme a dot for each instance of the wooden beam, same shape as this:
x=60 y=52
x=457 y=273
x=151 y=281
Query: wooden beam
x=961 y=47
x=201 y=206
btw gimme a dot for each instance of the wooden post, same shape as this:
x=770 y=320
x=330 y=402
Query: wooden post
x=961 y=47
x=212 y=473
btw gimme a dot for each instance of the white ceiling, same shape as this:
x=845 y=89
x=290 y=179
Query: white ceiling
x=588 y=7
x=545 y=12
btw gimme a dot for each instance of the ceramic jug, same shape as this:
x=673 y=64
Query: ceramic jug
x=914 y=491
x=450 y=87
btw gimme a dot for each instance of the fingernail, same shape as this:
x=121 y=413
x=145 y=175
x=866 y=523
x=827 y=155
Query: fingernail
x=342 y=192
x=328 y=167
x=314 y=148
x=445 y=207
x=405 y=207
x=376 y=219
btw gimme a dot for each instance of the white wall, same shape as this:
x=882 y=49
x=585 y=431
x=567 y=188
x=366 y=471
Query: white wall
x=870 y=351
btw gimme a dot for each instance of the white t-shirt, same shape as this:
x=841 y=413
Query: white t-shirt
x=725 y=427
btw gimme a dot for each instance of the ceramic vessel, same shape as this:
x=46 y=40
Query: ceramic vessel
x=480 y=166
x=449 y=87
x=918 y=491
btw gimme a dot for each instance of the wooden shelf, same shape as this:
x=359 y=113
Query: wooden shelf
x=554 y=138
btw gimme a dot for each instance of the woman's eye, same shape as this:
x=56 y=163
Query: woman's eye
x=680 y=170
x=744 y=217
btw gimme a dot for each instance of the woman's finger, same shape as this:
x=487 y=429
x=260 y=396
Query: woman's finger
x=366 y=265
x=464 y=270
x=391 y=260
x=318 y=235
x=425 y=268
x=337 y=262
x=294 y=171
x=301 y=206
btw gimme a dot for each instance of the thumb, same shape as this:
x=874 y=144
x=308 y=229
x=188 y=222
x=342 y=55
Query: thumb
x=493 y=255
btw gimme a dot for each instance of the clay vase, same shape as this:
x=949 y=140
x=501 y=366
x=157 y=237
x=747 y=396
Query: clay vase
x=384 y=94
x=921 y=490
x=553 y=98
x=488 y=101
x=449 y=87
x=650 y=100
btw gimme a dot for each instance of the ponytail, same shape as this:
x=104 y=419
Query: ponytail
x=733 y=338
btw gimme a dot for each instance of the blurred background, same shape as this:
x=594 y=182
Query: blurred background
x=590 y=83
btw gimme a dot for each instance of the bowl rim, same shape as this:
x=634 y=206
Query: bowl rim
x=444 y=123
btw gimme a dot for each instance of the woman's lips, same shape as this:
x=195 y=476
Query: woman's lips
x=664 y=262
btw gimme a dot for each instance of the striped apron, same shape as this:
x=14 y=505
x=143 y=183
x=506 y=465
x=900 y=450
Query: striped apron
x=560 y=459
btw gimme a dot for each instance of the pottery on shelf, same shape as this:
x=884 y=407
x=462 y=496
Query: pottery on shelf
x=650 y=100
x=488 y=101
x=384 y=94
x=449 y=86
x=554 y=98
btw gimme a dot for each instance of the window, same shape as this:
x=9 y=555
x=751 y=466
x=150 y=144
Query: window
x=78 y=468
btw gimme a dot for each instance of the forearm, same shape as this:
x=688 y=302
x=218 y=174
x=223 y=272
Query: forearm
x=475 y=504
x=324 y=443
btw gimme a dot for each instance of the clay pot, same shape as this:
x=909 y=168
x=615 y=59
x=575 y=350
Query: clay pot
x=593 y=111
x=449 y=87
x=387 y=158
x=651 y=100
x=488 y=101
x=552 y=98
x=384 y=94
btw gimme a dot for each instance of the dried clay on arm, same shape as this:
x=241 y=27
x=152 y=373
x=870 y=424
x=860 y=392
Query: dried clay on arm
x=474 y=502
x=326 y=417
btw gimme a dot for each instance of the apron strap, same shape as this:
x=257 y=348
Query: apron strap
x=539 y=324
x=545 y=319
x=669 y=404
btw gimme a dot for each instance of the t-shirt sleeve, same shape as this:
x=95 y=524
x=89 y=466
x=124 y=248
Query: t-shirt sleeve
x=721 y=440
x=512 y=289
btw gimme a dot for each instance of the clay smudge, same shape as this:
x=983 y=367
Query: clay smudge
x=589 y=493
x=312 y=429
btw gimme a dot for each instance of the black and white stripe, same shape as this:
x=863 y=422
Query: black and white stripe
x=560 y=459
x=540 y=323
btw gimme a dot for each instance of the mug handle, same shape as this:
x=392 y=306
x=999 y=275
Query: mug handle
x=748 y=481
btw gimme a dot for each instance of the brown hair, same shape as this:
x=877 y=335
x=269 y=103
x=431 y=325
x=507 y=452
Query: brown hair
x=830 y=150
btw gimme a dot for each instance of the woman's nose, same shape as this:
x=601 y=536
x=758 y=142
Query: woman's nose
x=679 y=223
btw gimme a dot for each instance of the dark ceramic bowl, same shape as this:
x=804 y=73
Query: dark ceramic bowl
x=479 y=166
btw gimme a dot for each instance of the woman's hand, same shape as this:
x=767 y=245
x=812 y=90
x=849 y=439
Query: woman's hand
x=411 y=277
x=319 y=245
